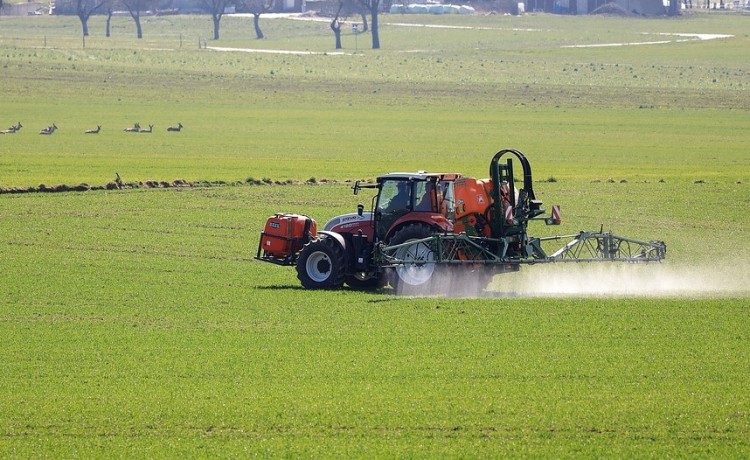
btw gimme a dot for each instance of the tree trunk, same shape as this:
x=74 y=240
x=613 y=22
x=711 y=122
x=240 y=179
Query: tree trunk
x=256 y=22
x=375 y=34
x=139 y=31
x=336 y=25
x=109 y=22
x=84 y=24
x=337 y=33
x=364 y=23
x=217 y=23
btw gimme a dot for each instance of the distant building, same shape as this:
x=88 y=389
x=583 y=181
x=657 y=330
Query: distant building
x=639 y=7
x=622 y=7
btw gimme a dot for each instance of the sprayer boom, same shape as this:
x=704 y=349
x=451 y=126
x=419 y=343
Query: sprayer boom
x=600 y=246
x=461 y=249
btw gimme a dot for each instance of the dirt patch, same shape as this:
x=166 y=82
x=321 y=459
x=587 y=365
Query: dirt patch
x=177 y=183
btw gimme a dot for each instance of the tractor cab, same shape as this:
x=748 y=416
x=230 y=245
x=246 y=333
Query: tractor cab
x=413 y=197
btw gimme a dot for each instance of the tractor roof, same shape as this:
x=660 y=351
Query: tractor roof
x=419 y=176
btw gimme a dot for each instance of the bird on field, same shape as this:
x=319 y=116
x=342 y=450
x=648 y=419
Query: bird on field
x=175 y=128
x=48 y=130
x=94 y=131
x=12 y=129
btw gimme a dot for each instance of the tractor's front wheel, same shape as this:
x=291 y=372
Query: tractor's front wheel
x=321 y=264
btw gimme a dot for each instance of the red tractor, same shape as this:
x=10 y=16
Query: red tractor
x=425 y=228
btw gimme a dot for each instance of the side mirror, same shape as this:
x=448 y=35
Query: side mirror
x=360 y=209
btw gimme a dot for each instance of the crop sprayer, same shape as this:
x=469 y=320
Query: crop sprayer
x=425 y=229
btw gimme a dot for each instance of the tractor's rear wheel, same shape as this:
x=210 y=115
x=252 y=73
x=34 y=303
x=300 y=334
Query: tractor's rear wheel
x=321 y=264
x=417 y=275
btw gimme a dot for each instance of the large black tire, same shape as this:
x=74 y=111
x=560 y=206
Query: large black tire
x=321 y=264
x=419 y=276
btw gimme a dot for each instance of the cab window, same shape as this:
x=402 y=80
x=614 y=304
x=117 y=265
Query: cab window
x=394 y=195
x=424 y=196
x=447 y=199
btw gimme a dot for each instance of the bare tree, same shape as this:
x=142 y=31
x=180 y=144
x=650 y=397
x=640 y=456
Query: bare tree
x=216 y=8
x=346 y=8
x=336 y=24
x=373 y=7
x=84 y=10
x=135 y=8
x=256 y=8
x=110 y=7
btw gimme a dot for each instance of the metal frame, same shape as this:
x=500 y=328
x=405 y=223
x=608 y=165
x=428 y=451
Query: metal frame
x=602 y=246
x=459 y=249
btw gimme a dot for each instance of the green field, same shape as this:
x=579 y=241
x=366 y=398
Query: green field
x=136 y=323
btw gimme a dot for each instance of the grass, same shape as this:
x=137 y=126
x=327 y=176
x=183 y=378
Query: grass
x=136 y=322
x=468 y=99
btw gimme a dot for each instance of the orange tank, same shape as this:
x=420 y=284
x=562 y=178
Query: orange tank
x=285 y=234
x=473 y=197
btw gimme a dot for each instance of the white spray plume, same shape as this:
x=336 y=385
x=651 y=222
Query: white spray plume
x=625 y=280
